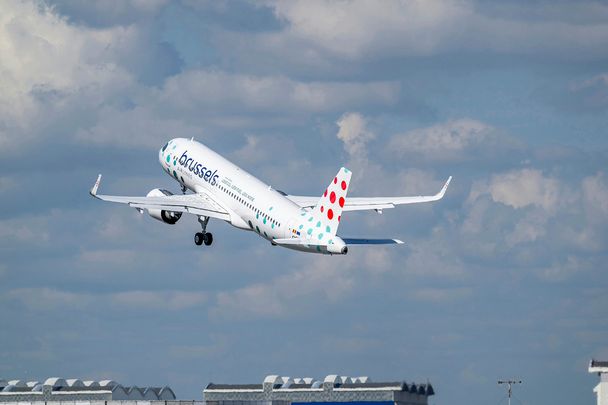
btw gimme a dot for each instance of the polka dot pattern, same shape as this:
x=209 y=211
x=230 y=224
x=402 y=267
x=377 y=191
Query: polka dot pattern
x=328 y=211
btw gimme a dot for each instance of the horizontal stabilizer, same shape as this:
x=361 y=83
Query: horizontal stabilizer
x=354 y=241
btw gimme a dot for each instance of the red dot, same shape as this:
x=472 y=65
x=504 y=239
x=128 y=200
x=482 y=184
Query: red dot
x=341 y=201
x=339 y=216
x=343 y=185
x=335 y=180
x=322 y=208
x=325 y=193
x=332 y=197
x=330 y=214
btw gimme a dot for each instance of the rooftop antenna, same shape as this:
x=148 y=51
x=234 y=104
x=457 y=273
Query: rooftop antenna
x=509 y=384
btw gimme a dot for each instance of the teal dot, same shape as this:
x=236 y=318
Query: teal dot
x=318 y=224
x=303 y=214
x=320 y=236
x=174 y=162
x=257 y=216
x=270 y=209
x=310 y=219
x=272 y=225
x=309 y=231
x=328 y=229
x=174 y=146
x=168 y=158
x=264 y=220
x=301 y=226
x=330 y=242
x=174 y=174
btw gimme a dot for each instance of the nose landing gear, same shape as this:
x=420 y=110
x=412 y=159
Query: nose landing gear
x=204 y=236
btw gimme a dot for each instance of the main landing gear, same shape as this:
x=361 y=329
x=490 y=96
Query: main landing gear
x=204 y=236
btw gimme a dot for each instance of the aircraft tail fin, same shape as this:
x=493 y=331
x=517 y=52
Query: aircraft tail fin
x=328 y=210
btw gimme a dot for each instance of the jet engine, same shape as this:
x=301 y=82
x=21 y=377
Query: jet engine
x=168 y=217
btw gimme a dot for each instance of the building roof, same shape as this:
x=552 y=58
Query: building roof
x=60 y=386
x=331 y=388
x=596 y=366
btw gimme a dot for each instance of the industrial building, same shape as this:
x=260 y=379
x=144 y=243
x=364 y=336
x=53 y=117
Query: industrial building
x=333 y=389
x=59 y=389
x=274 y=390
x=601 y=390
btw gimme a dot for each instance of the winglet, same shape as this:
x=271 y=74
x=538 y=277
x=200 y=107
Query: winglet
x=444 y=188
x=93 y=191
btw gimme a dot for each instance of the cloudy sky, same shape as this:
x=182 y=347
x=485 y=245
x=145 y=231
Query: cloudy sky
x=505 y=277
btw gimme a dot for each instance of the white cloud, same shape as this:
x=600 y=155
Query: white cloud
x=590 y=94
x=461 y=139
x=43 y=56
x=433 y=257
x=137 y=127
x=521 y=188
x=595 y=193
x=34 y=230
x=50 y=299
x=61 y=78
x=560 y=271
x=218 y=348
x=531 y=227
x=203 y=89
x=110 y=259
x=360 y=29
x=108 y=13
x=172 y=300
x=324 y=281
x=441 y=295
x=355 y=135
x=354 y=28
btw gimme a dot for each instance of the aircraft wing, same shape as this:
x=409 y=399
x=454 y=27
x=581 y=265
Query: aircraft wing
x=373 y=203
x=197 y=204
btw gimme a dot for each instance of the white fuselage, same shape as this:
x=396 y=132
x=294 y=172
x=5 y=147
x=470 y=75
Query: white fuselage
x=252 y=204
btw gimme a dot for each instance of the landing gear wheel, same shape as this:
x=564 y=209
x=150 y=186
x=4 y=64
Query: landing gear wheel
x=208 y=238
x=199 y=237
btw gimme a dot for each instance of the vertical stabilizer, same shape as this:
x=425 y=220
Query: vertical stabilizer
x=328 y=211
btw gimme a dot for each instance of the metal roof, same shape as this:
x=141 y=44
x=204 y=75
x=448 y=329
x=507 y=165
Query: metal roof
x=287 y=388
x=56 y=387
x=596 y=363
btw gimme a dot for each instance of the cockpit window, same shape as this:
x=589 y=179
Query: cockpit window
x=165 y=147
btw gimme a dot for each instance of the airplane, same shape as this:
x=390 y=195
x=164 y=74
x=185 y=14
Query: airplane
x=224 y=191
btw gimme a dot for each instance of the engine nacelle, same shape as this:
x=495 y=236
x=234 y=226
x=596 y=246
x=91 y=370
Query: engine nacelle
x=168 y=217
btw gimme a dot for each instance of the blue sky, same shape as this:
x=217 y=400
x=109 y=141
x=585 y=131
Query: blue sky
x=505 y=277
